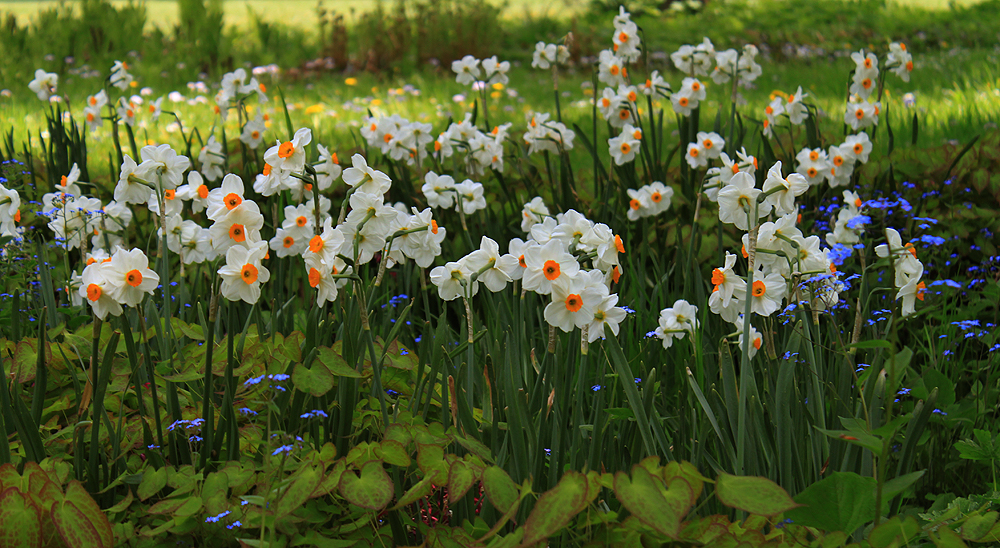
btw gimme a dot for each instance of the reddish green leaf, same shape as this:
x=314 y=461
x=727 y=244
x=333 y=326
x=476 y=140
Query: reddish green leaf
x=394 y=453
x=152 y=482
x=298 y=492
x=75 y=528
x=17 y=509
x=753 y=494
x=430 y=460
x=82 y=501
x=460 y=479
x=191 y=506
x=316 y=381
x=556 y=507
x=645 y=498
x=419 y=490
x=9 y=477
x=336 y=364
x=215 y=493
x=371 y=490
x=500 y=489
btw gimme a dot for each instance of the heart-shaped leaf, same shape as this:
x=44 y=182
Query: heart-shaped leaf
x=556 y=507
x=753 y=494
x=316 y=381
x=371 y=490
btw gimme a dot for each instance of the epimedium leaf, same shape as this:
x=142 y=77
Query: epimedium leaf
x=755 y=495
x=17 y=508
x=335 y=363
x=419 y=490
x=461 y=476
x=298 y=492
x=153 y=480
x=500 y=489
x=643 y=496
x=86 y=505
x=843 y=501
x=74 y=528
x=371 y=490
x=394 y=453
x=316 y=381
x=556 y=507
x=977 y=526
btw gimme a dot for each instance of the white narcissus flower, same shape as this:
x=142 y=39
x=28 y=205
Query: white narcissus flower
x=470 y=196
x=547 y=263
x=364 y=178
x=841 y=166
x=162 y=165
x=195 y=191
x=253 y=132
x=290 y=156
x=899 y=61
x=711 y=143
x=782 y=191
x=288 y=243
x=795 y=109
x=452 y=280
x=676 y=321
x=494 y=276
x=244 y=272
x=624 y=147
x=738 y=199
x=533 y=213
x=120 y=78
x=611 y=68
x=240 y=226
x=224 y=199
x=727 y=283
x=439 y=190
x=96 y=288
x=865 y=73
x=861 y=114
x=369 y=209
x=574 y=298
x=130 y=277
x=688 y=98
x=545 y=55
x=44 y=85
x=912 y=291
x=321 y=278
x=755 y=338
x=857 y=147
x=639 y=203
x=771 y=112
x=328 y=170
x=422 y=246
x=767 y=293
x=466 y=69
x=496 y=72
x=326 y=244
x=813 y=165
x=605 y=313
x=10 y=214
x=211 y=159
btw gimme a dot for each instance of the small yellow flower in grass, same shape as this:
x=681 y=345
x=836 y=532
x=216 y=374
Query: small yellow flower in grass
x=314 y=109
x=351 y=81
x=376 y=102
x=498 y=86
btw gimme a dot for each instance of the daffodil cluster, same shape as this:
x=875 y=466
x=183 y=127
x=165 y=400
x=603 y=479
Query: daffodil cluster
x=907 y=269
x=567 y=257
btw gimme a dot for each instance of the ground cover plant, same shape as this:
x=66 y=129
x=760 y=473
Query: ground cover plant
x=614 y=301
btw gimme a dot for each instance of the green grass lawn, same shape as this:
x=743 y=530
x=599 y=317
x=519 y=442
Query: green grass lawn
x=302 y=13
